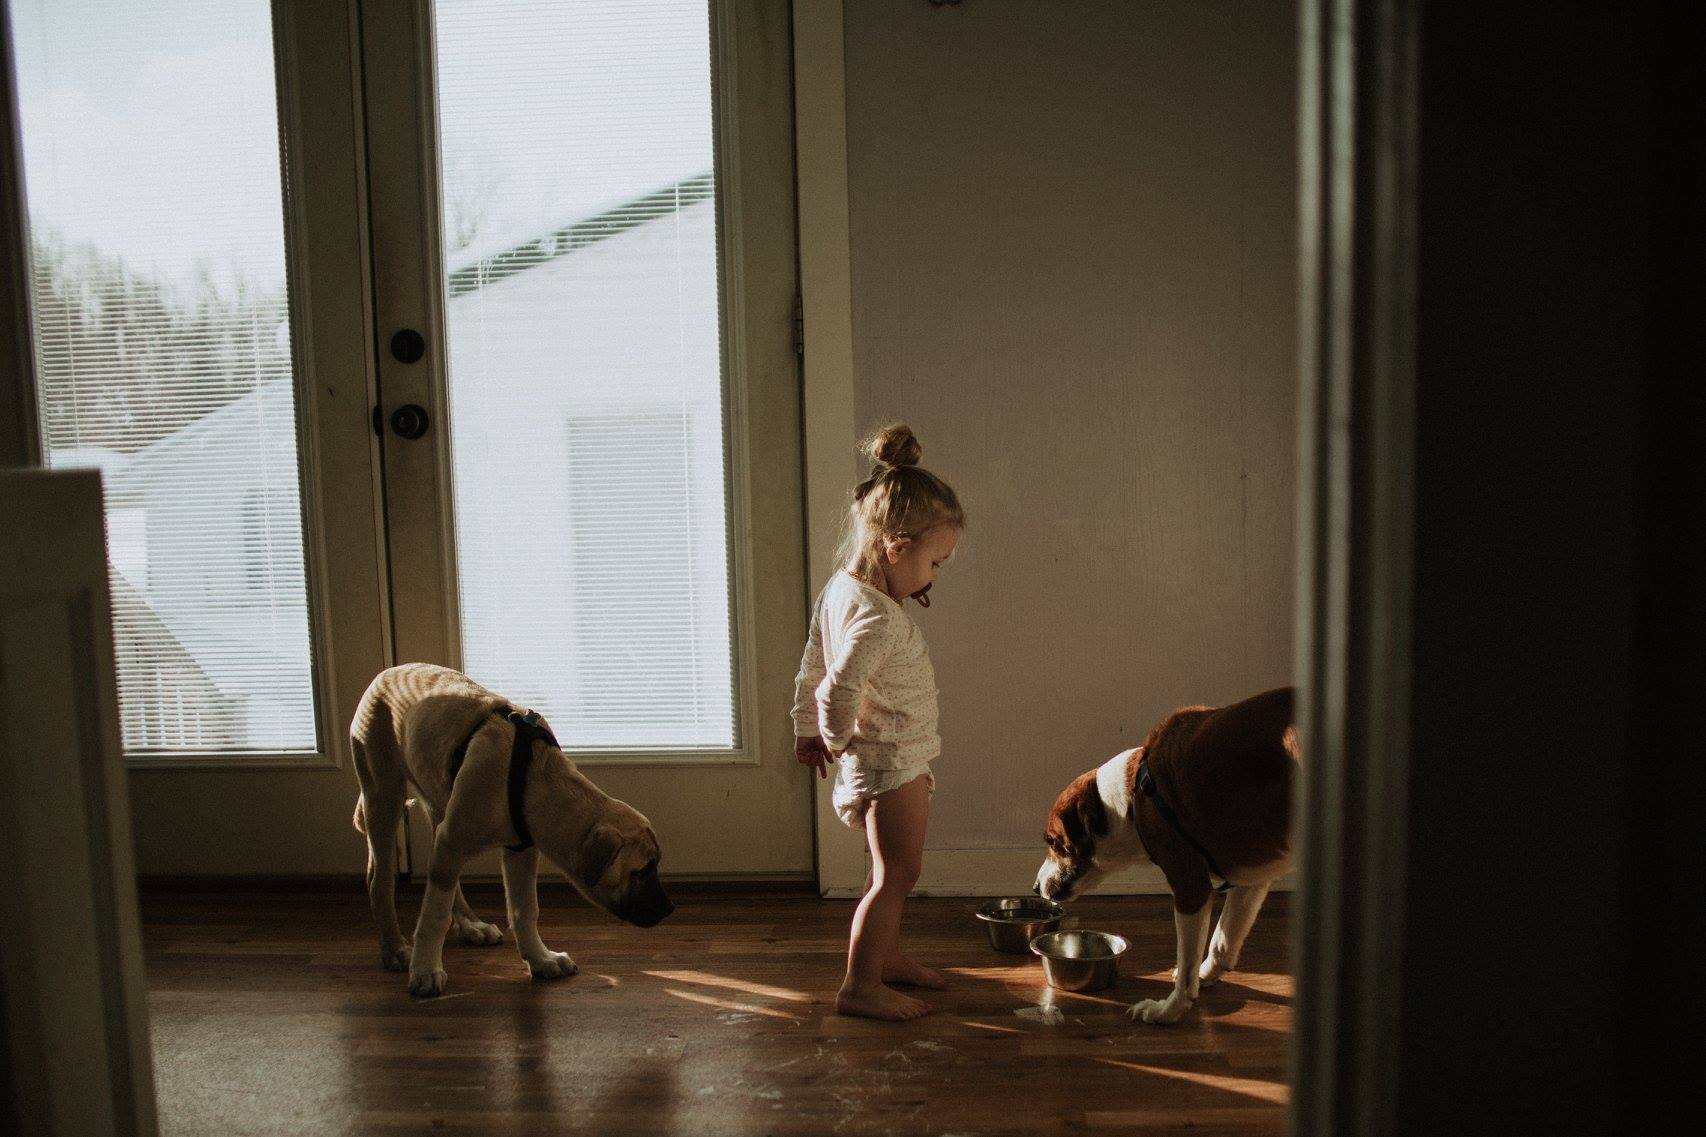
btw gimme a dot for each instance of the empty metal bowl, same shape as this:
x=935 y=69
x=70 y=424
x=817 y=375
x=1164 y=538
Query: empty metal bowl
x=1080 y=960
x=1014 y=921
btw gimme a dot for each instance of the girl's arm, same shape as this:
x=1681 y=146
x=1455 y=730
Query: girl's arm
x=865 y=644
x=806 y=682
x=809 y=749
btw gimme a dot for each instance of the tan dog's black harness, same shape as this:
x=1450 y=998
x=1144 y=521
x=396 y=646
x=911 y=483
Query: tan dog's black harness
x=1146 y=784
x=529 y=728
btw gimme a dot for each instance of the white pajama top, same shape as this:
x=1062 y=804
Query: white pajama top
x=865 y=683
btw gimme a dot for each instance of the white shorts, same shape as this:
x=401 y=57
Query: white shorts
x=855 y=786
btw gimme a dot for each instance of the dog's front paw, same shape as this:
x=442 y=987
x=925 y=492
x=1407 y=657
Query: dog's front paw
x=553 y=965
x=428 y=984
x=478 y=932
x=1160 y=1011
x=1211 y=971
x=397 y=958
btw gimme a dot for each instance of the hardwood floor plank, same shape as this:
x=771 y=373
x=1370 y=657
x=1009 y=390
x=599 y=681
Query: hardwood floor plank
x=272 y=1016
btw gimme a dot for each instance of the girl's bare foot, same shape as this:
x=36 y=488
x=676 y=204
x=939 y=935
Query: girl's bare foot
x=899 y=969
x=879 y=1002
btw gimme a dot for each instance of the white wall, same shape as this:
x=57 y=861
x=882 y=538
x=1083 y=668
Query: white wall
x=1073 y=271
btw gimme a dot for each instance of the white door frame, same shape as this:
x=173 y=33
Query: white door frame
x=826 y=293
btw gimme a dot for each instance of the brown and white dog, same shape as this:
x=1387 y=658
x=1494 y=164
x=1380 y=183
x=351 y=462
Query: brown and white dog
x=1226 y=775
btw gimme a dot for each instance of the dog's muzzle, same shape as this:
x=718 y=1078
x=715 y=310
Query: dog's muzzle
x=1055 y=883
x=647 y=910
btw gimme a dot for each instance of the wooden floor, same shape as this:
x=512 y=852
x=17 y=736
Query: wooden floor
x=270 y=1014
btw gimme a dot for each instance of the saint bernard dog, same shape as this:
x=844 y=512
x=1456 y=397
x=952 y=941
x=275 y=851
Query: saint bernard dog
x=1207 y=799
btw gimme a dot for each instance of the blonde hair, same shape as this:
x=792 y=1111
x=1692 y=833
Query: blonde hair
x=899 y=499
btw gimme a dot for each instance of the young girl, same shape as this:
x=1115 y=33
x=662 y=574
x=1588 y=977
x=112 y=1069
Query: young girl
x=865 y=700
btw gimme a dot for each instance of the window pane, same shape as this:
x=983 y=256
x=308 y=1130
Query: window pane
x=585 y=365
x=151 y=158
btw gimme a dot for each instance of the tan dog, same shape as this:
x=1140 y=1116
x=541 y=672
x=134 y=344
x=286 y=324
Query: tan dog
x=454 y=741
x=1207 y=795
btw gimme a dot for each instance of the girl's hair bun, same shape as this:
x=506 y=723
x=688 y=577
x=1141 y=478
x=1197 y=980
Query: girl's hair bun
x=899 y=499
x=894 y=445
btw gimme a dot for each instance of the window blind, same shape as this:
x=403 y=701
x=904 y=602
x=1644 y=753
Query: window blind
x=152 y=167
x=647 y=593
x=585 y=363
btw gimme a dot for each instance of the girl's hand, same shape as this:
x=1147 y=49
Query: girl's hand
x=812 y=752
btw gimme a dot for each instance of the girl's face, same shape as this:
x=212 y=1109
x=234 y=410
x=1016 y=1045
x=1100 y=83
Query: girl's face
x=909 y=566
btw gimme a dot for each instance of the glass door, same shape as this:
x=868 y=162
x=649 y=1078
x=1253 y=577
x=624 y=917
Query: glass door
x=185 y=171
x=164 y=348
x=580 y=261
x=459 y=333
x=586 y=396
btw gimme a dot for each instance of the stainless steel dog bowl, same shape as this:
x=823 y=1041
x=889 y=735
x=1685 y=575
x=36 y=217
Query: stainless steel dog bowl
x=1013 y=922
x=1080 y=960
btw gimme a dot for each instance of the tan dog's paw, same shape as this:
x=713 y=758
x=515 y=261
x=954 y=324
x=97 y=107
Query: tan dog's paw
x=396 y=959
x=1160 y=1012
x=555 y=965
x=477 y=932
x=1210 y=972
x=427 y=984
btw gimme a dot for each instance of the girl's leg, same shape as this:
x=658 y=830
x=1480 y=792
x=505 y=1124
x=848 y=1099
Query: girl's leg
x=895 y=824
x=899 y=968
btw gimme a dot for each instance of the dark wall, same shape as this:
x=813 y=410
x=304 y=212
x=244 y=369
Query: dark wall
x=1558 y=499
x=1663 y=1024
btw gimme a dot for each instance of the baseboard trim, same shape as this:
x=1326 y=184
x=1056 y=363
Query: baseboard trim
x=1012 y=872
x=947 y=872
x=147 y=883
x=689 y=884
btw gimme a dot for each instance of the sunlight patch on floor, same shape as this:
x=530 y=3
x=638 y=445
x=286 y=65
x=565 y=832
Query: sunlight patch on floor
x=1009 y=974
x=1274 y=1093
x=746 y=987
x=1268 y=984
x=731 y=1005
x=1268 y=1017
x=1029 y=984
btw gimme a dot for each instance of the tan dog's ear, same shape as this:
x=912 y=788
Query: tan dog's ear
x=601 y=846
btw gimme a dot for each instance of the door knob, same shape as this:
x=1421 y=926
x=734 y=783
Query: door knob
x=410 y=421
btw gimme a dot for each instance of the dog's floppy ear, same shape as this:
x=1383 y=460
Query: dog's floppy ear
x=1090 y=815
x=601 y=846
x=1085 y=816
